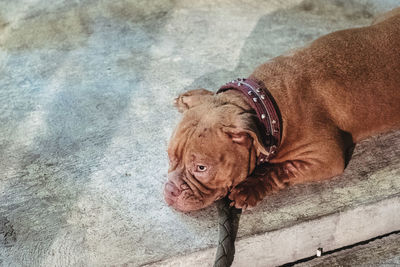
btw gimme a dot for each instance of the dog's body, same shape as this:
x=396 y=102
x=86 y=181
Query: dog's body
x=340 y=89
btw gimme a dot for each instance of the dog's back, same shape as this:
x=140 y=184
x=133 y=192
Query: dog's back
x=362 y=77
x=349 y=78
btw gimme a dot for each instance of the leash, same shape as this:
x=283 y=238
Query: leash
x=228 y=225
x=270 y=123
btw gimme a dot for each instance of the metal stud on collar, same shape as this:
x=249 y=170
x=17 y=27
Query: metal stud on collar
x=263 y=105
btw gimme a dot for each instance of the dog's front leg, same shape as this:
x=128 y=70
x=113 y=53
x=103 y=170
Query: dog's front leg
x=269 y=178
x=266 y=179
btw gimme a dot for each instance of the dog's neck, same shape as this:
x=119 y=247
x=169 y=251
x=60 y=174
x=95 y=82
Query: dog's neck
x=259 y=98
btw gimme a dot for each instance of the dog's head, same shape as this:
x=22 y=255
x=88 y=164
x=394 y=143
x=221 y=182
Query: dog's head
x=213 y=148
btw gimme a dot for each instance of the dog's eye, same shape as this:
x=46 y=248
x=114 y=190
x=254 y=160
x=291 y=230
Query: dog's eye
x=201 y=168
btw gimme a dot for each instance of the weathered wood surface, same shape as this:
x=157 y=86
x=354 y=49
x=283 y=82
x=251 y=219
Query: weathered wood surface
x=381 y=252
x=372 y=175
x=361 y=204
x=302 y=240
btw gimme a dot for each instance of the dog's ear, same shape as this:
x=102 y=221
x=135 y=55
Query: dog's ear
x=244 y=132
x=191 y=99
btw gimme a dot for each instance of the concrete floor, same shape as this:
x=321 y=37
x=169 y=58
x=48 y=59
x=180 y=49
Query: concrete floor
x=86 y=90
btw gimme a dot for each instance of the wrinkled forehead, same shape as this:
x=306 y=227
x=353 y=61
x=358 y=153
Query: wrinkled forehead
x=180 y=135
x=196 y=137
x=205 y=140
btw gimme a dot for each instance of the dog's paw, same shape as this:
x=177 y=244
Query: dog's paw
x=248 y=193
x=191 y=99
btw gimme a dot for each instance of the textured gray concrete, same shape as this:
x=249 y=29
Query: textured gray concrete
x=85 y=115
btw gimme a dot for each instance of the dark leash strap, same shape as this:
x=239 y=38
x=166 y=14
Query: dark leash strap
x=228 y=225
x=270 y=124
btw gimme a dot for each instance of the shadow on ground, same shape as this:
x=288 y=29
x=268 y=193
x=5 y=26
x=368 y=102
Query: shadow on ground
x=278 y=33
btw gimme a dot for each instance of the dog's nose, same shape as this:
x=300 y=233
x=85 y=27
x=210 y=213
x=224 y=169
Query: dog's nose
x=171 y=191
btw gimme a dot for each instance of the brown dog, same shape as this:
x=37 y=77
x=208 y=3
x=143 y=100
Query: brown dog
x=340 y=89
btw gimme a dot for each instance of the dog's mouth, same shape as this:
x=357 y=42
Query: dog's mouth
x=184 y=198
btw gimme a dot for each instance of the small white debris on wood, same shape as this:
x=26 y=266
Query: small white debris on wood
x=319 y=252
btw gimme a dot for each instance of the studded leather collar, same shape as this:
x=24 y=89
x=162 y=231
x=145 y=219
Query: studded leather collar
x=262 y=102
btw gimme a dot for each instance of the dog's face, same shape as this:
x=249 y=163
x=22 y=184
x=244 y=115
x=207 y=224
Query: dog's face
x=212 y=150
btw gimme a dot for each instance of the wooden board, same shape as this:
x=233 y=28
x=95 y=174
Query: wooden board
x=380 y=252
x=359 y=205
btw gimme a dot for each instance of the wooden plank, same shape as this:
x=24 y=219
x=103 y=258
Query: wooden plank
x=361 y=204
x=373 y=174
x=302 y=240
x=380 y=252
